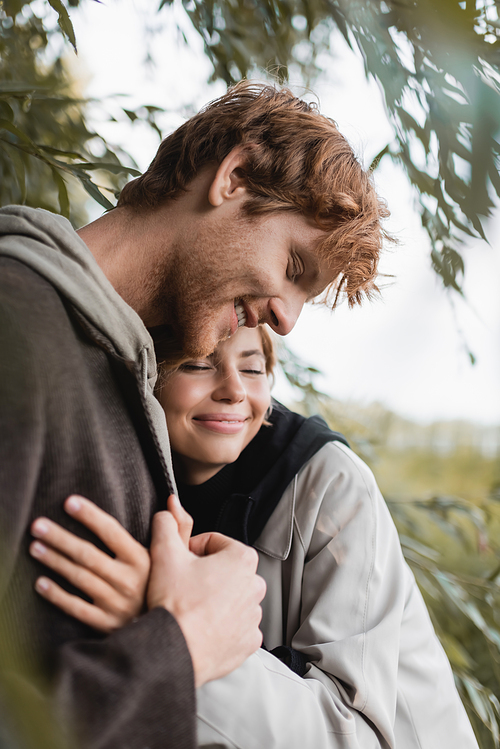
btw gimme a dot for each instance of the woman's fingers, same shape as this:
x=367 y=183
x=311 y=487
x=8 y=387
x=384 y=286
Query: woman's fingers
x=75 y=574
x=75 y=548
x=119 y=607
x=117 y=586
x=105 y=527
x=184 y=520
x=75 y=606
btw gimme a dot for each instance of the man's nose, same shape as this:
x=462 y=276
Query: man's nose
x=282 y=314
x=229 y=388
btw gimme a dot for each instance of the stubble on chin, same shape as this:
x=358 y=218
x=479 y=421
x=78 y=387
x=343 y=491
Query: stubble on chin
x=191 y=302
x=197 y=344
x=203 y=278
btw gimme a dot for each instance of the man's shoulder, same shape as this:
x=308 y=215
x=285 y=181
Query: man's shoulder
x=31 y=310
x=24 y=221
x=20 y=279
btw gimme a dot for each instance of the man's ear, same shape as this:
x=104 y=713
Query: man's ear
x=228 y=183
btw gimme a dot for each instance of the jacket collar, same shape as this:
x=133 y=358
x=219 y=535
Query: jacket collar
x=276 y=538
x=264 y=472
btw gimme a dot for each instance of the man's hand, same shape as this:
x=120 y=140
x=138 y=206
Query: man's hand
x=212 y=590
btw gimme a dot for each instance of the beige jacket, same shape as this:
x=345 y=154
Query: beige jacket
x=339 y=591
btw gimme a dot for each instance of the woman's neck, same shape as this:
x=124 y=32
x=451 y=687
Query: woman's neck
x=194 y=472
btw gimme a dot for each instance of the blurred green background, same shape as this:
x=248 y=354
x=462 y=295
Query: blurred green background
x=436 y=64
x=441 y=482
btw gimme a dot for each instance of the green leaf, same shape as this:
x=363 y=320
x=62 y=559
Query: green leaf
x=409 y=123
x=482 y=704
x=460 y=225
x=448 y=263
x=476 y=222
x=6 y=111
x=457 y=654
x=61 y=152
x=8 y=88
x=113 y=168
x=64 y=21
x=420 y=548
x=378 y=158
x=131 y=115
x=19 y=167
x=495 y=177
x=94 y=192
x=62 y=192
x=6 y=125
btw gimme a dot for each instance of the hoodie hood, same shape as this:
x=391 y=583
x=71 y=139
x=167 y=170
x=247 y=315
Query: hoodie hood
x=49 y=245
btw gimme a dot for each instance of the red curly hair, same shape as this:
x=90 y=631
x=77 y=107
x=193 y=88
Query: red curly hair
x=295 y=160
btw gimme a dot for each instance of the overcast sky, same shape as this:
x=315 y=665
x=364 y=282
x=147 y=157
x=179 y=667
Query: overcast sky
x=405 y=349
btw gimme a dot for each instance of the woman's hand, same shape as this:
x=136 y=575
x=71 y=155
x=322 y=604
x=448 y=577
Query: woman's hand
x=116 y=586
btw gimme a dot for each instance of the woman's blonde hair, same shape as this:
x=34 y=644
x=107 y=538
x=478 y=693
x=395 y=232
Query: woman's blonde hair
x=268 y=348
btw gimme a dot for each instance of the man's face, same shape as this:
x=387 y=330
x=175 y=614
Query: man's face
x=232 y=270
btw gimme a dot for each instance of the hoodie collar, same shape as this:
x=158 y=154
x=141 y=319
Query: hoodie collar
x=49 y=245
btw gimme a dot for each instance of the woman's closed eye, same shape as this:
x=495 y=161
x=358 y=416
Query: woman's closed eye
x=253 y=371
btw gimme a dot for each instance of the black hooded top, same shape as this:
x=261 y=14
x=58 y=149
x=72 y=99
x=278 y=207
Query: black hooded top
x=239 y=500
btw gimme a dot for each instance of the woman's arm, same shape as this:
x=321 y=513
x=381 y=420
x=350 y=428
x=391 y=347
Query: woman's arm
x=343 y=596
x=317 y=604
x=117 y=586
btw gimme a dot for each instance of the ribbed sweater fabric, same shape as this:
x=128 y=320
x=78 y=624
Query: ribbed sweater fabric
x=73 y=419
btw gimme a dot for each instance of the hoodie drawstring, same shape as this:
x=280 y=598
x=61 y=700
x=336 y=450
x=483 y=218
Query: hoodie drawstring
x=144 y=367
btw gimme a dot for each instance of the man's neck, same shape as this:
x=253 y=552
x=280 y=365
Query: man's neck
x=135 y=248
x=127 y=251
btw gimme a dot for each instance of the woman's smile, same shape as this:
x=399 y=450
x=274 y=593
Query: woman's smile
x=215 y=405
x=221 y=423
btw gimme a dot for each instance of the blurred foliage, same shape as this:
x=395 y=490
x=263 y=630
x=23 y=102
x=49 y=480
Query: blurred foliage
x=437 y=64
x=27 y=719
x=48 y=151
x=450 y=545
x=449 y=527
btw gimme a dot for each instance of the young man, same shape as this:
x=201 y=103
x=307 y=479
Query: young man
x=248 y=210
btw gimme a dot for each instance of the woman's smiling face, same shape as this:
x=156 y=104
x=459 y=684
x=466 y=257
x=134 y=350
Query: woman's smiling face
x=216 y=405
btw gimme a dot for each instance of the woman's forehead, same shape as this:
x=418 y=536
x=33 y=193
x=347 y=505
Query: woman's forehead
x=245 y=342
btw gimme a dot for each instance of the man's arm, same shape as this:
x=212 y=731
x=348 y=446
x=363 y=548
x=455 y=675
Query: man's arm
x=215 y=599
x=221 y=624
x=133 y=688
x=214 y=595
